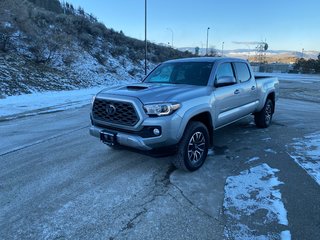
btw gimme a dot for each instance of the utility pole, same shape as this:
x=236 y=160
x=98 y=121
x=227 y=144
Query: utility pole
x=145 y=37
x=207 y=41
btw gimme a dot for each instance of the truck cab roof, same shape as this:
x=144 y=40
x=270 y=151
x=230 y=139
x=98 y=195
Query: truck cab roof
x=207 y=59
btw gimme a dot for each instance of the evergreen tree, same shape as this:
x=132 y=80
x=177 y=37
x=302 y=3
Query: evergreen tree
x=196 y=51
x=50 y=5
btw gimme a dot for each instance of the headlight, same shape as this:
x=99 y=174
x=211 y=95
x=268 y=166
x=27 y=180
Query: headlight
x=92 y=100
x=161 y=109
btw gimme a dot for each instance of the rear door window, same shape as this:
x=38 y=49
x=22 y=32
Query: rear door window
x=242 y=72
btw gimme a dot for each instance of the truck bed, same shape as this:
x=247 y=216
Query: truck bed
x=259 y=77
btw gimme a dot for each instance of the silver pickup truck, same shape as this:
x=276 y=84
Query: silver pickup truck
x=180 y=104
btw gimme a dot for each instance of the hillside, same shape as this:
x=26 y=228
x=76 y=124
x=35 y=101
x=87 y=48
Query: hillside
x=47 y=46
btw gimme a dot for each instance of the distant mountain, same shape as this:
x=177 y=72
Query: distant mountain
x=45 y=45
x=245 y=53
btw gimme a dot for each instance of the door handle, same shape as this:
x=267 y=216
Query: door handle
x=237 y=91
x=253 y=88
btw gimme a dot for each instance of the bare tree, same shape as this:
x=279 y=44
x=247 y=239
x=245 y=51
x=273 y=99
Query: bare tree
x=45 y=48
x=213 y=52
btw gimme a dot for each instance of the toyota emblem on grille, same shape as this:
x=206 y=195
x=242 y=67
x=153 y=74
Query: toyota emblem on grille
x=110 y=109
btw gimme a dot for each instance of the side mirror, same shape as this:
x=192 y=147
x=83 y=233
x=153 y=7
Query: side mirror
x=225 y=81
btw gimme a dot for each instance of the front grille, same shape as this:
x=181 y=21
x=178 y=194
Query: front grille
x=122 y=114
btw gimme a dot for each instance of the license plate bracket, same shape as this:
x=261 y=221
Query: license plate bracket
x=108 y=138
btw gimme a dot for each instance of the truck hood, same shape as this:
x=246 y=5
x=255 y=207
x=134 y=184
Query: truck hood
x=152 y=93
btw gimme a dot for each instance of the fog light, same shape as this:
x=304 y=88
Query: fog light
x=156 y=131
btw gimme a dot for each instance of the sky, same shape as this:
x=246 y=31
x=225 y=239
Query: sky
x=284 y=24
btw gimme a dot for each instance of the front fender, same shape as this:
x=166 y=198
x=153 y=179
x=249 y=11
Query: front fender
x=189 y=114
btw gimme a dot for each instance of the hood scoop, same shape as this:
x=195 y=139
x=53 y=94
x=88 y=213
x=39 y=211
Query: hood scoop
x=136 y=88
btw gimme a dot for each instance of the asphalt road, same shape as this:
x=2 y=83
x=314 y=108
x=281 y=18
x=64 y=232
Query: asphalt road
x=57 y=182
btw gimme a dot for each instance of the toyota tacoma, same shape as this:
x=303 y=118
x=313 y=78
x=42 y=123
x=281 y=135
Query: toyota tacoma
x=180 y=103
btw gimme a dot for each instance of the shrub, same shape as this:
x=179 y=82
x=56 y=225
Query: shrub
x=86 y=40
x=118 y=51
x=133 y=72
x=100 y=58
x=68 y=59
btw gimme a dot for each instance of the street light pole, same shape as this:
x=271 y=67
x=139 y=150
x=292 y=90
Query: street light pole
x=145 y=37
x=207 y=41
x=171 y=36
x=222 y=49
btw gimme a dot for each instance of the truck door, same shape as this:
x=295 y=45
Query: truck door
x=227 y=98
x=247 y=87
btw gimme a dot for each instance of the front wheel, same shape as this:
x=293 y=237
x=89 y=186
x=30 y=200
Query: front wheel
x=264 y=117
x=193 y=147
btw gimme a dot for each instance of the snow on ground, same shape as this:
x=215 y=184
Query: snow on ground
x=253 y=159
x=268 y=139
x=269 y=150
x=253 y=205
x=27 y=104
x=43 y=102
x=285 y=235
x=307 y=154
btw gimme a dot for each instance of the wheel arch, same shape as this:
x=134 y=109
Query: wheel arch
x=205 y=118
x=272 y=97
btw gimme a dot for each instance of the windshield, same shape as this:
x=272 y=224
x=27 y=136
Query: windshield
x=193 y=73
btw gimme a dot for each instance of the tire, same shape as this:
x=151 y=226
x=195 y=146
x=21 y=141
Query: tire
x=193 y=147
x=264 y=117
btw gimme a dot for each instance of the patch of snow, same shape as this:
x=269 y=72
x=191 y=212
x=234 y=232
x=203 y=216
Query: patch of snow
x=307 y=154
x=7 y=25
x=269 y=150
x=252 y=159
x=285 y=235
x=266 y=139
x=253 y=204
x=210 y=152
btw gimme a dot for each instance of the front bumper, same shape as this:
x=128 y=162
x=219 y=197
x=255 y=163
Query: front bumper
x=124 y=139
x=169 y=133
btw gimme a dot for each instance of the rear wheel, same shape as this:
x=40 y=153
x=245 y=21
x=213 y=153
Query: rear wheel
x=264 y=117
x=193 y=147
